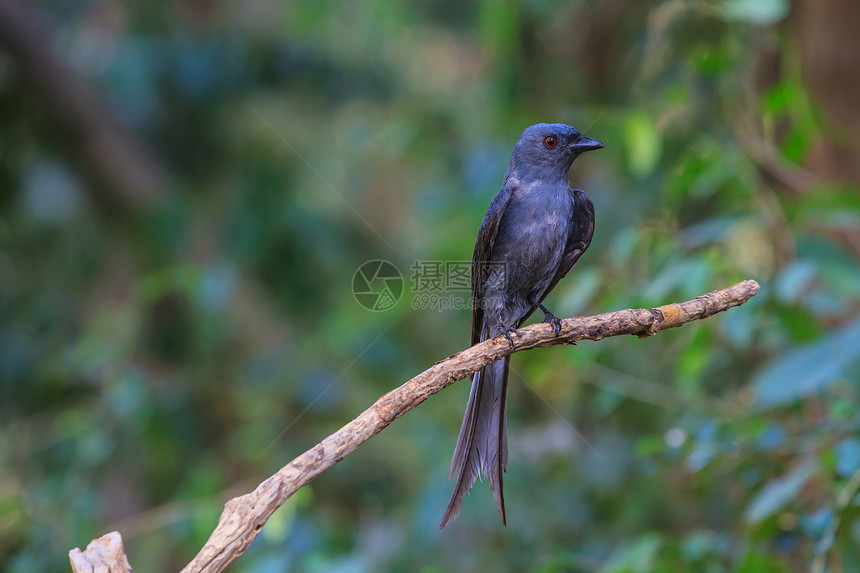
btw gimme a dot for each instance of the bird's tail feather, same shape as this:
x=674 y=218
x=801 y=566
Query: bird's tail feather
x=482 y=446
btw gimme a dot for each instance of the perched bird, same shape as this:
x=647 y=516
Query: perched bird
x=534 y=231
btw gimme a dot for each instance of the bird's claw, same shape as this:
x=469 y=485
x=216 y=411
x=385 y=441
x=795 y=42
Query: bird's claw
x=556 y=324
x=507 y=332
x=553 y=320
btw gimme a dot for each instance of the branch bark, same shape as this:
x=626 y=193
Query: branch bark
x=244 y=516
x=103 y=555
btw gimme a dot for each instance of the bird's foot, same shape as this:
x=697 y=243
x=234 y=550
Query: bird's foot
x=507 y=332
x=552 y=319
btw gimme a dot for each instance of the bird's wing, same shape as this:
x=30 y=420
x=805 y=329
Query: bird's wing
x=577 y=241
x=483 y=249
x=579 y=238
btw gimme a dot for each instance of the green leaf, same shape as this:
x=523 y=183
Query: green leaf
x=687 y=276
x=498 y=25
x=755 y=561
x=779 y=491
x=796 y=144
x=807 y=370
x=796 y=279
x=782 y=97
x=637 y=557
x=642 y=139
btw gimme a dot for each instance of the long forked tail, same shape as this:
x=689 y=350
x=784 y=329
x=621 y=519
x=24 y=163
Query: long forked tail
x=483 y=443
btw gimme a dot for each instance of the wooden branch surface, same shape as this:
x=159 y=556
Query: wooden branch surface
x=103 y=555
x=244 y=516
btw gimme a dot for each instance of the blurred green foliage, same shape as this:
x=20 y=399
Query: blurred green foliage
x=155 y=363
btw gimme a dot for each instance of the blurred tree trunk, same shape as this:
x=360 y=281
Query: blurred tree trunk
x=829 y=32
x=122 y=172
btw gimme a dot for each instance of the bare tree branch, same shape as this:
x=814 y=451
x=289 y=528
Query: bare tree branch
x=244 y=516
x=103 y=555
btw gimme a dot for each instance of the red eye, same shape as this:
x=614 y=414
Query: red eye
x=549 y=141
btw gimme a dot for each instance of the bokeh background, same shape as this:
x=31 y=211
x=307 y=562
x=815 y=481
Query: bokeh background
x=187 y=189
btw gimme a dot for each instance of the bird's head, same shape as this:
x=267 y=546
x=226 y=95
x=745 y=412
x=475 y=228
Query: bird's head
x=548 y=150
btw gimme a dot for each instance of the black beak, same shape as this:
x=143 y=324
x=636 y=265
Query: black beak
x=586 y=144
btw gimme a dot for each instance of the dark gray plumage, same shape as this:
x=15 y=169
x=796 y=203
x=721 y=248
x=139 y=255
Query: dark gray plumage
x=534 y=231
